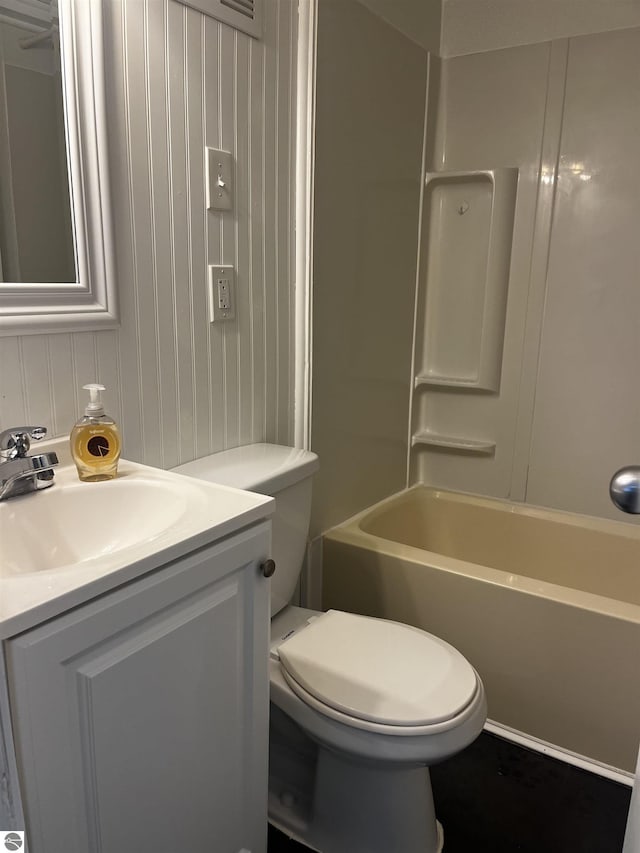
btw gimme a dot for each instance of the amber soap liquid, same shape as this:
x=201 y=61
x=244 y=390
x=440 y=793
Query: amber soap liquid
x=95 y=447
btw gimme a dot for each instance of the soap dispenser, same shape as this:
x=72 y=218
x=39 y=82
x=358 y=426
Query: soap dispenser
x=95 y=440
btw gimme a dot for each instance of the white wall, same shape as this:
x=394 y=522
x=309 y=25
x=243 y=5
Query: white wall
x=181 y=388
x=470 y=26
x=369 y=124
x=587 y=407
x=418 y=20
x=489 y=113
x=567 y=414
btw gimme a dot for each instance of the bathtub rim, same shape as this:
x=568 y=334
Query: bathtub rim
x=350 y=532
x=628 y=529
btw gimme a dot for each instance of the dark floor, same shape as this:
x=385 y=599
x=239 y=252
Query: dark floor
x=497 y=797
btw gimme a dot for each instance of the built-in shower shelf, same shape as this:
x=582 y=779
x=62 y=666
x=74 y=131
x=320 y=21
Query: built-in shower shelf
x=456 y=444
x=464 y=260
x=449 y=382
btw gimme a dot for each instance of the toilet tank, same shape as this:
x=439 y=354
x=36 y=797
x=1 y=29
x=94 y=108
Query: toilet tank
x=283 y=473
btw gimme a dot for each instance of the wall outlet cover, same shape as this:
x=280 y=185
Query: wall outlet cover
x=222 y=293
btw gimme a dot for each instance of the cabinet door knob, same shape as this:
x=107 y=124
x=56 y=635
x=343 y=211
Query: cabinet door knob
x=268 y=568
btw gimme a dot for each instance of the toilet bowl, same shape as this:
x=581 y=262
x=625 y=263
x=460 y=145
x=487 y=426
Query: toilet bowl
x=365 y=781
x=374 y=688
x=360 y=707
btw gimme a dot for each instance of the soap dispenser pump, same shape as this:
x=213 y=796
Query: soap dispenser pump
x=95 y=440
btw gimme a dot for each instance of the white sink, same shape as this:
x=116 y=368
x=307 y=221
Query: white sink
x=73 y=540
x=67 y=525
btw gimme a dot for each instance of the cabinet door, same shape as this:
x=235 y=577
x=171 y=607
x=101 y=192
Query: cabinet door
x=141 y=719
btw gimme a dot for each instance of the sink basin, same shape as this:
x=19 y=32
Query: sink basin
x=65 y=526
x=66 y=544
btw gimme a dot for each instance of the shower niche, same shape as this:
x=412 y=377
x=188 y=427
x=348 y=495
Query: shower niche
x=462 y=301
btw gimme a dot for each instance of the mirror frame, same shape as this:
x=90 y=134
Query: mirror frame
x=90 y=302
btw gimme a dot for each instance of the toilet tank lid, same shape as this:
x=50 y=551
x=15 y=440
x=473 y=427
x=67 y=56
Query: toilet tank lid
x=263 y=468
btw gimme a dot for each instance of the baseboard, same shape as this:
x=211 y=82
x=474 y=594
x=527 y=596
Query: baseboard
x=554 y=751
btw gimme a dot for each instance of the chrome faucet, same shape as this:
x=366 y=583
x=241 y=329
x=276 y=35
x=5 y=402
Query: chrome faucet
x=19 y=472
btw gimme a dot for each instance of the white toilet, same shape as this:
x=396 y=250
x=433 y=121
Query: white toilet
x=360 y=707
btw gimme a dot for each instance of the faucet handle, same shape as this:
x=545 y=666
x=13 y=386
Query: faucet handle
x=16 y=441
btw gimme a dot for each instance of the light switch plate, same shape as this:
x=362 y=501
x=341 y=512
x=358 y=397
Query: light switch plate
x=219 y=179
x=222 y=293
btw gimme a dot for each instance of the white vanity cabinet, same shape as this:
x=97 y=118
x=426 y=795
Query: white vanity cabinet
x=140 y=719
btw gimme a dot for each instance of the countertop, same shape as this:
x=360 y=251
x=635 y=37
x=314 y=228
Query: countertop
x=28 y=599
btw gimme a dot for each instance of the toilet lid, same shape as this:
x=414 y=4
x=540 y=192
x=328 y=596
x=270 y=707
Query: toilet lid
x=379 y=671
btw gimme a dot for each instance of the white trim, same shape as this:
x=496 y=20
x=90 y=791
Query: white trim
x=305 y=152
x=557 y=752
x=419 y=263
x=90 y=302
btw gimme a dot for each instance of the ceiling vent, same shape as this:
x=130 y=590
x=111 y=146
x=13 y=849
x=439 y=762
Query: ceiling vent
x=245 y=15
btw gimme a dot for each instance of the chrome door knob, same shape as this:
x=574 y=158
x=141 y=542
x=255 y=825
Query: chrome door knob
x=624 y=489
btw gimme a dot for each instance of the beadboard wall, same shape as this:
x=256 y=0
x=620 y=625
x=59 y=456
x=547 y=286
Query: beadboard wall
x=179 y=386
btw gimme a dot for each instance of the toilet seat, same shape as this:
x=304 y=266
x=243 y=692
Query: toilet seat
x=377 y=675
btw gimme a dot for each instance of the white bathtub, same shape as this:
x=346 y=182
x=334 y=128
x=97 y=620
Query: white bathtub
x=545 y=605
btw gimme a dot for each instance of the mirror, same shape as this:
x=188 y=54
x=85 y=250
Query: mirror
x=56 y=255
x=36 y=239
